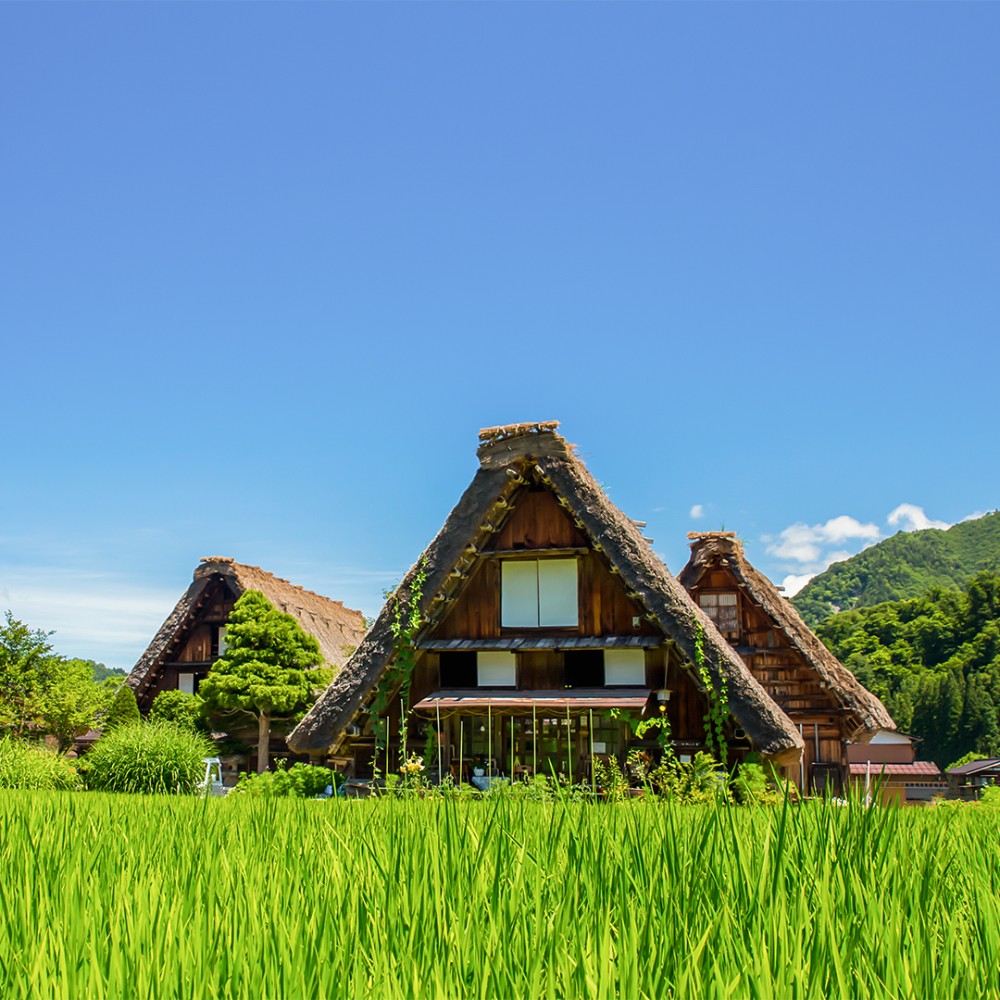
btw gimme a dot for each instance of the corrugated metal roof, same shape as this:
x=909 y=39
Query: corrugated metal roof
x=923 y=768
x=976 y=766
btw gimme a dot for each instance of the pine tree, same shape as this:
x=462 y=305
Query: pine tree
x=270 y=667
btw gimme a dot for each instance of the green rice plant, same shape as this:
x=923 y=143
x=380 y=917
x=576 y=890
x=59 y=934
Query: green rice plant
x=23 y=765
x=154 y=756
x=122 y=896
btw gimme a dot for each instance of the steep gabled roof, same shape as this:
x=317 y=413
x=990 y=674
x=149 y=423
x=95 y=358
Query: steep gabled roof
x=337 y=629
x=509 y=457
x=721 y=548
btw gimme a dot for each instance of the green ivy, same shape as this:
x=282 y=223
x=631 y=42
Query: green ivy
x=717 y=712
x=398 y=678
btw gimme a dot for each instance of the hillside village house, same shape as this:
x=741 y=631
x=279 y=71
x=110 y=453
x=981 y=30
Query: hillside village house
x=194 y=635
x=547 y=628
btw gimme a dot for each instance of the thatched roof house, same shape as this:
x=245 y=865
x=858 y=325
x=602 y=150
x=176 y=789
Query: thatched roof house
x=816 y=691
x=532 y=496
x=190 y=639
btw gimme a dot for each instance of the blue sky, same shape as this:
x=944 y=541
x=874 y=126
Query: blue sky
x=265 y=270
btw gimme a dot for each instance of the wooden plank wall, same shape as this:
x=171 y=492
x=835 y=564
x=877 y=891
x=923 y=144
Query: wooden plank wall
x=784 y=673
x=198 y=646
x=537 y=522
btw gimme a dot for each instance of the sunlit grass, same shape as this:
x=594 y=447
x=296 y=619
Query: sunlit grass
x=129 y=896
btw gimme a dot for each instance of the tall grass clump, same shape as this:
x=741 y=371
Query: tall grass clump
x=154 y=756
x=23 y=765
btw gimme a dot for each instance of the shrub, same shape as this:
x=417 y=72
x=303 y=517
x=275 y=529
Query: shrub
x=186 y=711
x=25 y=766
x=152 y=756
x=990 y=797
x=300 y=781
x=702 y=779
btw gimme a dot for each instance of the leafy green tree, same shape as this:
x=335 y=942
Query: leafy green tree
x=71 y=702
x=270 y=667
x=103 y=673
x=124 y=709
x=27 y=664
x=934 y=661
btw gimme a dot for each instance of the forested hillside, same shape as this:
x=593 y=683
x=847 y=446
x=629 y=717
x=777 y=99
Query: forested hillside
x=905 y=566
x=933 y=660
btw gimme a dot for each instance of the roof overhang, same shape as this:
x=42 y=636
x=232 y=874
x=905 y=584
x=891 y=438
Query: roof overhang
x=538 y=642
x=509 y=701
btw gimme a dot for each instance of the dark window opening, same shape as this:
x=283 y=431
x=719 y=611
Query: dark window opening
x=458 y=669
x=583 y=668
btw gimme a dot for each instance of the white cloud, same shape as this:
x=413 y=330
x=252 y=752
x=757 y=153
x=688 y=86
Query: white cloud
x=792 y=584
x=976 y=515
x=94 y=615
x=807 y=549
x=910 y=517
x=697 y=511
x=804 y=543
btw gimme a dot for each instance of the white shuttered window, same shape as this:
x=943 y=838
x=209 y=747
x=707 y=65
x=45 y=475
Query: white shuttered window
x=625 y=666
x=539 y=593
x=496 y=669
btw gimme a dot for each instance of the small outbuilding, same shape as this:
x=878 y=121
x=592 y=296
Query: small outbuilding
x=969 y=780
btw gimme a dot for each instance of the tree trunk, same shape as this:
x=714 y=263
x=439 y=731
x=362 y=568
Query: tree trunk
x=263 y=741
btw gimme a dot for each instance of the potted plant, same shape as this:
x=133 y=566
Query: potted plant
x=478 y=764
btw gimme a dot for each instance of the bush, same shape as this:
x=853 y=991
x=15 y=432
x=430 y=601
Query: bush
x=990 y=797
x=152 y=756
x=25 y=766
x=186 y=711
x=301 y=781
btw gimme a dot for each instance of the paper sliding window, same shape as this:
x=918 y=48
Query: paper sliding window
x=496 y=669
x=539 y=593
x=722 y=609
x=625 y=667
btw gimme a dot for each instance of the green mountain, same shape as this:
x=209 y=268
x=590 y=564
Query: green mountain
x=905 y=566
x=934 y=661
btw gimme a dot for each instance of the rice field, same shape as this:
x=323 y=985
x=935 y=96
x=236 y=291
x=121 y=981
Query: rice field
x=127 y=896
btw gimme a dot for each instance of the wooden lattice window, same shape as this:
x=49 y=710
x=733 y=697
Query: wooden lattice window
x=723 y=609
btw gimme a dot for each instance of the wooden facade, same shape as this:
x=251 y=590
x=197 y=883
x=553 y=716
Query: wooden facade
x=541 y=605
x=194 y=646
x=518 y=740
x=802 y=678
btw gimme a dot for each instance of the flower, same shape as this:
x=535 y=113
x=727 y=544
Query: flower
x=412 y=765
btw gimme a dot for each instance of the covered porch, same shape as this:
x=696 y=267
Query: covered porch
x=494 y=733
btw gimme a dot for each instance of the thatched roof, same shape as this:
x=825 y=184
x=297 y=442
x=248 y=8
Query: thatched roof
x=509 y=457
x=337 y=629
x=711 y=549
